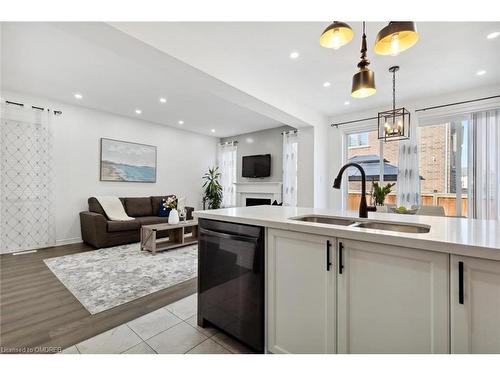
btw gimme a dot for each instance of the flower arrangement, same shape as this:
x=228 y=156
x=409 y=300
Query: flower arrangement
x=170 y=202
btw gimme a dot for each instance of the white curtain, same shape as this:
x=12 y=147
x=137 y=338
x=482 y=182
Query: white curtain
x=226 y=157
x=484 y=165
x=27 y=219
x=290 y=147
x=408 y=183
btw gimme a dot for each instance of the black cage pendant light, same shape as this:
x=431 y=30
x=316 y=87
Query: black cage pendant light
x=394 y=125
x=363 y=82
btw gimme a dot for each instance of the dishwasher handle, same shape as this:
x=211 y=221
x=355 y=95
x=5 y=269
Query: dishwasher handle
x=228 y=236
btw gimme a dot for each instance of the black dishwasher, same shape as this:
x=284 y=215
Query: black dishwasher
x=231 y=280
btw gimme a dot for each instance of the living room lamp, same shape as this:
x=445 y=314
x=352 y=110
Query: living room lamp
x=394 y=125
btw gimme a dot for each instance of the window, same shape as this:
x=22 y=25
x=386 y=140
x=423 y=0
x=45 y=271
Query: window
x=227 y=167
x=379 y=159
x=443 y=164
x=358 y=140
x=290 y=149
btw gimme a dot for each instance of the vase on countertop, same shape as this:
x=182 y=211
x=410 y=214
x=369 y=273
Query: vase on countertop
x=173 y=216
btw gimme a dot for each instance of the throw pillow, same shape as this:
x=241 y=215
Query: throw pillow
x=164 y=211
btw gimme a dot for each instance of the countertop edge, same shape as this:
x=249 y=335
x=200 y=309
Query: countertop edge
x=361 y=234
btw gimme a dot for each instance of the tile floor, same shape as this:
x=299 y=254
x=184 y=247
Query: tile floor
x=169 y=330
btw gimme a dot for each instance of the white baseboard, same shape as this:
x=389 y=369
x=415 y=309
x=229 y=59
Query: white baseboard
x=68 y=241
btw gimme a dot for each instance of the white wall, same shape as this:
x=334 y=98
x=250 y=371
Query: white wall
x=269 y=141
x=182 y=159
x=305 y=167
x=311 y=165
x=321 y=163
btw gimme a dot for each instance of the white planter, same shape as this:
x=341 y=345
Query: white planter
x=173 y=217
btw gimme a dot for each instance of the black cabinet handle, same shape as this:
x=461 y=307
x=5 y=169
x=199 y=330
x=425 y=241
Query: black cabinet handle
x=461 y=283
x=341 y=257
x=328 y=263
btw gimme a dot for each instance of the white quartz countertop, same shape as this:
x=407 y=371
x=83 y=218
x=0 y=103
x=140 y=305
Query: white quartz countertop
x=469 y=237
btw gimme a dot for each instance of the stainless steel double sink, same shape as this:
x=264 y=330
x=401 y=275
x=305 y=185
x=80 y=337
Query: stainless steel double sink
x=369 y=224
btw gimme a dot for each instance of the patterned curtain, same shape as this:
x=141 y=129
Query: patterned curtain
x=408 y=183
x=226 y=157
x=27 y=218
x=484 y=159
x=290 y=147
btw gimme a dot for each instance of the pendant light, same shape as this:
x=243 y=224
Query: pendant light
x=395 y=38
x=394 y=125
x=363 y=82
x=336 y=35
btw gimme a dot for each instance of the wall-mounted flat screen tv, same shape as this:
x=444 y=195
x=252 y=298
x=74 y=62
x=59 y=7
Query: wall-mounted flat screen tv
x=255 y=166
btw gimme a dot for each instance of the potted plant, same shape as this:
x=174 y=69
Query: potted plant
x=213 y=188
x=380 y=192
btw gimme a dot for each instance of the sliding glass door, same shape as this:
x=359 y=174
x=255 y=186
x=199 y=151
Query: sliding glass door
x=444 y=165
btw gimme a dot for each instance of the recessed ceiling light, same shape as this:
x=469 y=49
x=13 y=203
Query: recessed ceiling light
x=493 y=35
x=212 y=130
x=347 y=102
x=163 y=100
x=326 y=84
x=78 y=96
x=181 y=122
x=294 y=55
x=481 y=72
x=138 y=111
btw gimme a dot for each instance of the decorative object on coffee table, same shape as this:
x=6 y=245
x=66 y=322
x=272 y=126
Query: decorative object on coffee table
x=171 y=205
x=173 y=216
x=177 y=236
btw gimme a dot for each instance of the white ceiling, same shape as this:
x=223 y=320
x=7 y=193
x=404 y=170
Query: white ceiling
x=234 y=77
x=118 y=74
x=255 y=58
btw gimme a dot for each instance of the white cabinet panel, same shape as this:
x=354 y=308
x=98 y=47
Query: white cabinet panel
x=301 y=293
x=475 y=320
x=392 y=300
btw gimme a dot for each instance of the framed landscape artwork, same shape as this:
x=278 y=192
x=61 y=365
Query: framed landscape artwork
x=127 y=161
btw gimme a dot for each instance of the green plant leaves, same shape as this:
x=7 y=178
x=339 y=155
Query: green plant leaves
x=213 y=188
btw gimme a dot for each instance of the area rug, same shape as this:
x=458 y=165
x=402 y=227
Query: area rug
x=105 y=278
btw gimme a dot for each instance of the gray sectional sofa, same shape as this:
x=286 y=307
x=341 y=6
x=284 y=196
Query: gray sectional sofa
x=99 y=232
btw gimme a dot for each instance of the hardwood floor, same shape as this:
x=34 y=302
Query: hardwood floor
x=38 y=313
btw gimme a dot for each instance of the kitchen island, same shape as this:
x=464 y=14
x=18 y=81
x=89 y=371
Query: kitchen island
x=390 y=283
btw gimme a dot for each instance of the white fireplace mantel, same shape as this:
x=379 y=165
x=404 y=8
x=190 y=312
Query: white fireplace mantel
x=258 y=189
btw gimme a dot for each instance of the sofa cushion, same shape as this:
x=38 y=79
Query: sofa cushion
x=120 y=226
x=137 y=207
x=147 y=220
x=95 y=206
x=156 y=203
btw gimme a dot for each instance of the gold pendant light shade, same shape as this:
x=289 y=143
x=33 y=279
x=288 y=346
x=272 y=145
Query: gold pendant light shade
x=396 y=37
x=336 y=35
x=363 y=84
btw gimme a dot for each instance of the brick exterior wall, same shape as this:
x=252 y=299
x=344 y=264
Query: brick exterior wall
x=434 y=157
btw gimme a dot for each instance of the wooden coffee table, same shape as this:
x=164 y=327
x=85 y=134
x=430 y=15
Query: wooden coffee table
x=176 y=236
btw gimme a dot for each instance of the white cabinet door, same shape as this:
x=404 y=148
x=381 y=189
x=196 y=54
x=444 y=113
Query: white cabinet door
x=392 y=299
x=475 y=305
x=300 y=293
